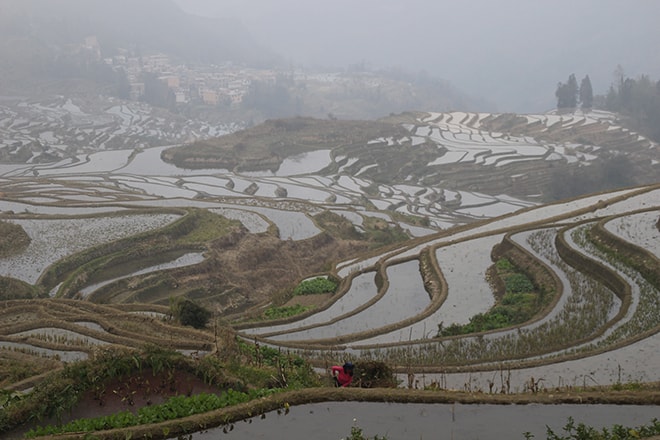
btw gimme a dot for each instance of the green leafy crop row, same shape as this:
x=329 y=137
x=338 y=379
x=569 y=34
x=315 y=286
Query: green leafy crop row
x=176 y=407
x=618 y=432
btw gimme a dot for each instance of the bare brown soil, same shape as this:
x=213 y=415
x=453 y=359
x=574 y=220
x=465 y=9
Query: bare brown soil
x=132 y=393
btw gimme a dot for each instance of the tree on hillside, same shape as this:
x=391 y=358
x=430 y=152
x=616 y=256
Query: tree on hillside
x=567 y=94
x=586 y=93
x=637 y=99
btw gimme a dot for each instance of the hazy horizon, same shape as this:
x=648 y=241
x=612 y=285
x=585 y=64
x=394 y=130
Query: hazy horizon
x=512 y=52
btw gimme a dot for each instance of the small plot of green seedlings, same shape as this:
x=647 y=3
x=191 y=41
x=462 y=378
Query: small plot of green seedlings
x=285 y=311
x=176 y=407
x=617 y=432
x=521 y=301
x=314 y=286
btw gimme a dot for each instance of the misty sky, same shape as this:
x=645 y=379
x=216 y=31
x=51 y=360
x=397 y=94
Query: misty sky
x=511 y=52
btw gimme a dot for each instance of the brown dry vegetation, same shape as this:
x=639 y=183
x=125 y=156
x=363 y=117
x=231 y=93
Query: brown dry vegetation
x=13 y=239
x=16 y=367
x=261 y=266
x=240 y=270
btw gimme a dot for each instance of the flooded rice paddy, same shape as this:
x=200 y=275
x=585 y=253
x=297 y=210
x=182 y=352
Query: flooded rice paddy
x=399 y=421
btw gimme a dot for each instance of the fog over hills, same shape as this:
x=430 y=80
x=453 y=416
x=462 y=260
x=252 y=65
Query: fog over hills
x=35 y=31
x=510 y=52
x=507 y=55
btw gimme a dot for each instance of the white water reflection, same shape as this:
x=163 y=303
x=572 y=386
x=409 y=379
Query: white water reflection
x=293 y=225
x=640 y=229
x=305 y=163
x=101 y=162
x=149 y=163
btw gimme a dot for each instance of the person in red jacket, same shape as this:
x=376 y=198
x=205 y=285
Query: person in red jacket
x=343 y=375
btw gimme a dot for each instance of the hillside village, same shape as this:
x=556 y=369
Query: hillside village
x=210 y=84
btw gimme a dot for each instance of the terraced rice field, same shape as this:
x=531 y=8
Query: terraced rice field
x=603 y=307
x=600 y=324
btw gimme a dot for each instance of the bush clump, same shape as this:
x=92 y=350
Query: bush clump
x=374 y=374
x=189 y=313
x=13 y=239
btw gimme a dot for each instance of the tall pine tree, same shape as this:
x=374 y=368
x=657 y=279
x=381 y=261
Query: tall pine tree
x=567 y=94
x=586 y=93
x=572 y=91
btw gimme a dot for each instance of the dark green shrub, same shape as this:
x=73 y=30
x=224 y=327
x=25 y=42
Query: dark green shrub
x=189 y=313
